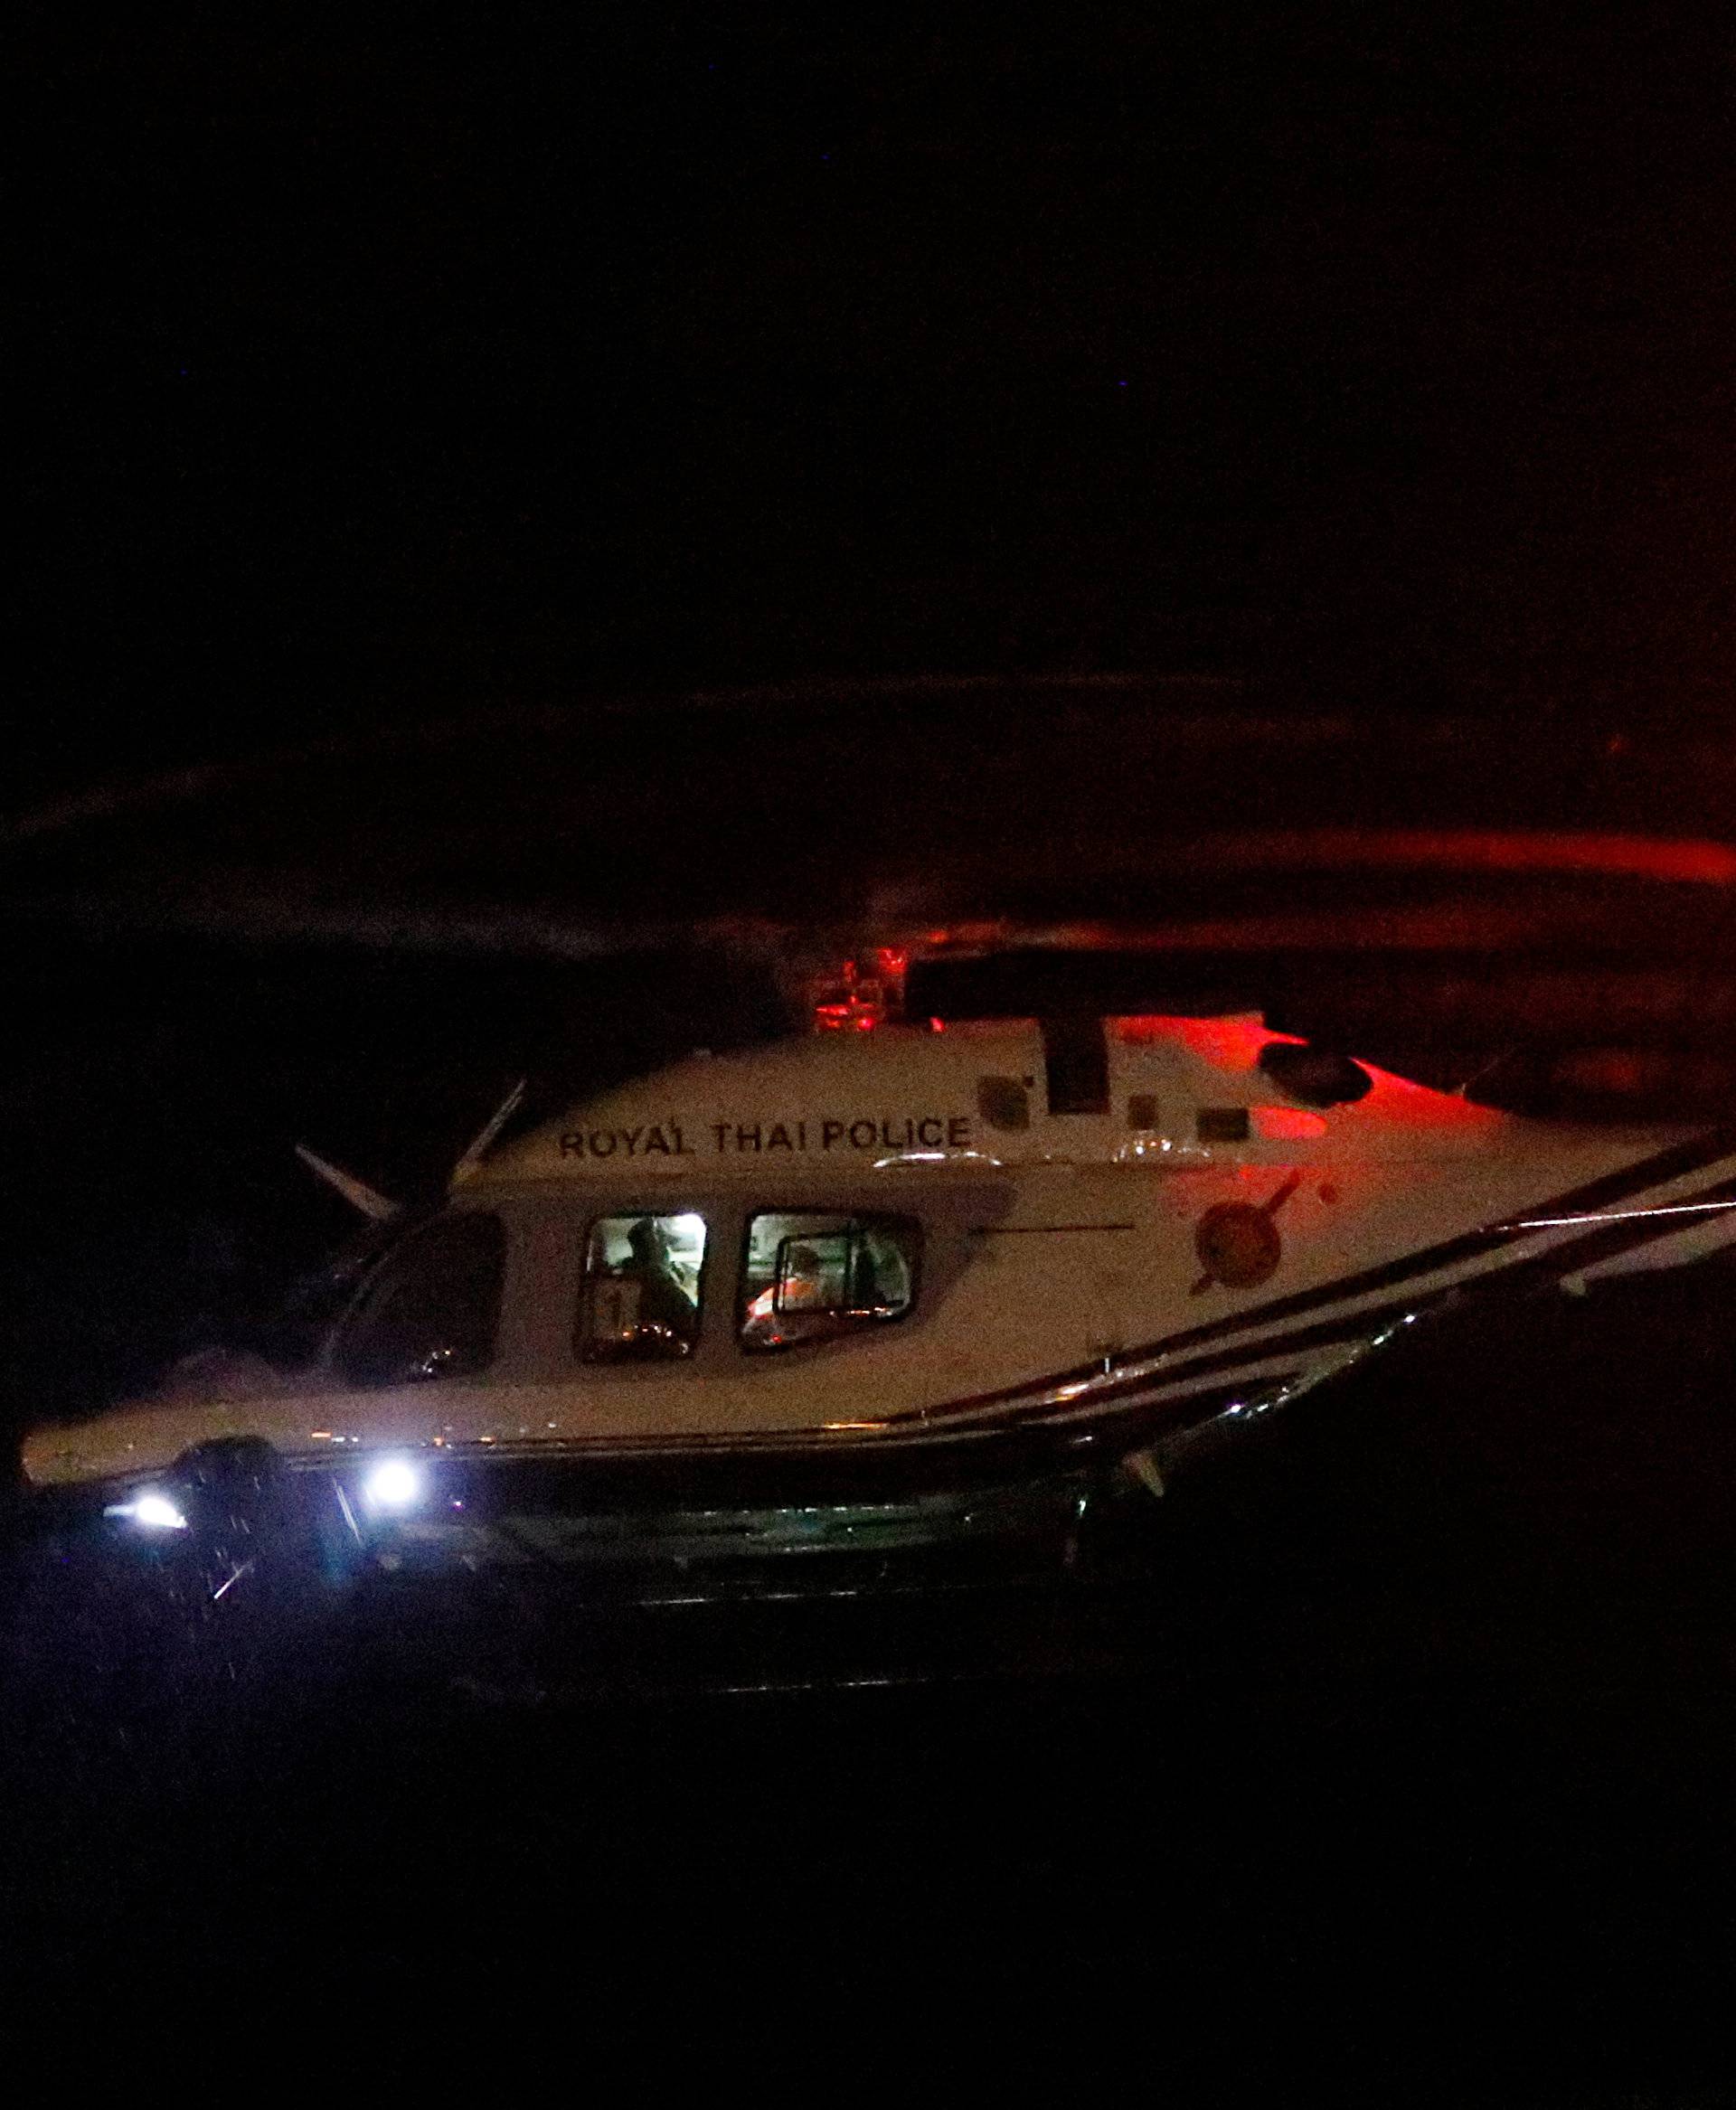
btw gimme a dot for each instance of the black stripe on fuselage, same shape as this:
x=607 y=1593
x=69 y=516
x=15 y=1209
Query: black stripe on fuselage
x=1618 y=1186
x=1124 y=1420
x=1673 y=1164
x=1566 y=1257
x=1136 y=1419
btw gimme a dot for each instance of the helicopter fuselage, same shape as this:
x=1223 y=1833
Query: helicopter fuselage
x=931 y=1254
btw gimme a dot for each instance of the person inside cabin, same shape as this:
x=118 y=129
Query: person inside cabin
x=641 y=1298
x=811 y=1278
x=881 y=1274
x=801 y=1284
x=800 y=1288
x=666 y=1308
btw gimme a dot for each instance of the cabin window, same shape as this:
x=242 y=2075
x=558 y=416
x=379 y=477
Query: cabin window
x=640 y=1301
x=1222 y=1124
x=811 y=1277
x=433 y=1309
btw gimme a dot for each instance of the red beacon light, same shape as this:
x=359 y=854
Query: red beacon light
x=865 y=994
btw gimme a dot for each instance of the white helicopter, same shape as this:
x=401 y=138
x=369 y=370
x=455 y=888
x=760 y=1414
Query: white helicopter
x=892 y=1283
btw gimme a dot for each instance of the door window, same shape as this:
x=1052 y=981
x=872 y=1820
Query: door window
x=816 y=1276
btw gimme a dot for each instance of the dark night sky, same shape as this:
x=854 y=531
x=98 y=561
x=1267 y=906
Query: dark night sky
x=389 y=366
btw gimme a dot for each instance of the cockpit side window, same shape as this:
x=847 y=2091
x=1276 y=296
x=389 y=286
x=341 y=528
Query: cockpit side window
x=640 y=1302
x=434 y=1308
x=816 y=1276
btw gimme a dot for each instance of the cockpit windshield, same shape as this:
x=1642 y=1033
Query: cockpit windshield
x=433 y=1309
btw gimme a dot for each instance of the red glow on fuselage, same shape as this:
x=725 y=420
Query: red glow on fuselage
x=1229 y=1043
x=1288 y=1123
x=1233 y=1045
x=1418 y=1105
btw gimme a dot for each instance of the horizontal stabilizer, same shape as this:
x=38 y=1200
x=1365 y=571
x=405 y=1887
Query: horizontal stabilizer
x=373 y=1205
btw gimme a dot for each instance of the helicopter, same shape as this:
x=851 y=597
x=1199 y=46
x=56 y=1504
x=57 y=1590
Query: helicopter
x=904 y=1280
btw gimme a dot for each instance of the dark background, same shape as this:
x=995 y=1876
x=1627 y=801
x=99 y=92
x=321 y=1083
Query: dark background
x=536 y=372
x=386 y=365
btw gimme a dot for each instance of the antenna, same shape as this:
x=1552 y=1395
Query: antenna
x=483 y=1142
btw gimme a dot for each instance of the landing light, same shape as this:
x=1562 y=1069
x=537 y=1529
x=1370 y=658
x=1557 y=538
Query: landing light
x=151 y=1511
x=394 y=1484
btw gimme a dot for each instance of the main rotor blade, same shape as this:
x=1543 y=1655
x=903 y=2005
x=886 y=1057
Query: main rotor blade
x=377 y=1207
